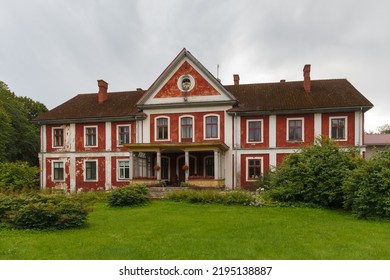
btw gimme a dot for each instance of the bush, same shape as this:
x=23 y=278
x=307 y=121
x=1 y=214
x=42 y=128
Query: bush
x=213 y=196
x=39 y=211
x=367 y=190
x=18 y=176
x=315 y=175
x=129 y=196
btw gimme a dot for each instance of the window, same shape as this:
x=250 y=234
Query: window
x=212 y=127
x=254 y=130
x=209 y=165
x=123 y=170
x=123 y=134
x=58 y=137
x=90 y=170
x=295 y=130
x=338 y=126
x=186 y=129
x=58 y=171
x=254 y=168
x=162 y=129
x=90 y=136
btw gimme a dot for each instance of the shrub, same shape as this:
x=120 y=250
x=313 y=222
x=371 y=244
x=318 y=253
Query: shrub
x=39 y=211
x=367 y=190
x=129 y=196
x=18 y=176
x=315 y=175
x=214 y=196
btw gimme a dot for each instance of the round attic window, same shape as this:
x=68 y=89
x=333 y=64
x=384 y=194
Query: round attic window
x=186 y=83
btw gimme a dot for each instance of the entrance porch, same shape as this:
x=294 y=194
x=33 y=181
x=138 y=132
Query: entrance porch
x=197 y=164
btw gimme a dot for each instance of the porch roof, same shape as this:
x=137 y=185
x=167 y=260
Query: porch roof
x=198 y=146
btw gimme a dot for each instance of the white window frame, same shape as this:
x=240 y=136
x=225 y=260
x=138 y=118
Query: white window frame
x=118 y=135
x=205 y=127
x=156 y=129
x=85 y=136
x=262 y=130
x=85 y=170
x=53 y=137
x=193 y=126
x=288 y=129
x=52 y=170
x=247 y=168
x=118 y=169
x=345 y=128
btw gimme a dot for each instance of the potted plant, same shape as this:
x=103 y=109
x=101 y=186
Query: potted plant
x=157 y=167
x=184 y=167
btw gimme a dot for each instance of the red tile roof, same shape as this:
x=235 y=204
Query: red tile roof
x=290 y=96
x=85 y=106
x=252 y=98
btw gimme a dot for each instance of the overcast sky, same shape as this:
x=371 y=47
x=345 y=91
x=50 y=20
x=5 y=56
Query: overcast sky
x=51 y=50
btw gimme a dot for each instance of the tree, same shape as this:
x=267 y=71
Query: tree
x=384 y=129
x=19 y=138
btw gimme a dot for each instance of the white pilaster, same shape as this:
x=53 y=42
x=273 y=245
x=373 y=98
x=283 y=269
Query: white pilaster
x=216 y=164
x=108 y=136
x=358 y=128
x=72 y=135
x=131 y=166
x=43 y=138
x=272 y=131
x=108 y=173
x=72 y=173
x=318 y=125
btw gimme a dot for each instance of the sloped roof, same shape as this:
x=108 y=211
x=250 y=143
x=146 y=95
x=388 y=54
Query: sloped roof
x=376 y=139
x=291 y=96
x=86 y=106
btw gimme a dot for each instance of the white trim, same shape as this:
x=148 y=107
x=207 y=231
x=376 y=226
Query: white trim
x=288 y=129
x=72 y=135
x=218 y=127
x=155 y=128
x=118 y=136
x=247 y=167
x=272 y=131
x=108 y=136
x=181 y=78
x=317 y=124
x=345 y=128
x=85 y=171
x=43 y=138
x=358 y=128
x=96 y=135
x=52 y=170
x=118 y=178
x=53 y=138
x=261 y=132
x=193 y=127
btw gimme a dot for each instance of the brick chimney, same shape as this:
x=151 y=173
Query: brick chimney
x=102 y=94
x=236 y=79
x=306 y=78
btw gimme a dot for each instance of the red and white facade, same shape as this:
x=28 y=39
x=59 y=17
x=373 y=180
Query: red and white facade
x=188 y=127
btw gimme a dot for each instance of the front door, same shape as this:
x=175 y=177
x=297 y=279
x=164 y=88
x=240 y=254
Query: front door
x=165 y=169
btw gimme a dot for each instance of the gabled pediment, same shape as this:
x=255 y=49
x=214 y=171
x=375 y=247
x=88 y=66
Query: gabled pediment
x=185 y=82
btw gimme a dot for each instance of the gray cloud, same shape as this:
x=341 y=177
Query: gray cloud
x=52 y=50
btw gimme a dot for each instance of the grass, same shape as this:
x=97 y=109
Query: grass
x=176 y=230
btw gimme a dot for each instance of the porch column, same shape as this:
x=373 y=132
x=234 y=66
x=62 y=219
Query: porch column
x=131 y=168
x=216 y=164
x=187 y=162
x=158 y=172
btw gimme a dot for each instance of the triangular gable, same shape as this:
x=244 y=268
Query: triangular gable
x=167 y=89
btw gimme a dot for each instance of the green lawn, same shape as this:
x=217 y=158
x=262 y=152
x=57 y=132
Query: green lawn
x=173 y=230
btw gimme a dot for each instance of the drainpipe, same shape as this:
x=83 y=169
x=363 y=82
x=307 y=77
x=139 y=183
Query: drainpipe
x=235 y=151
